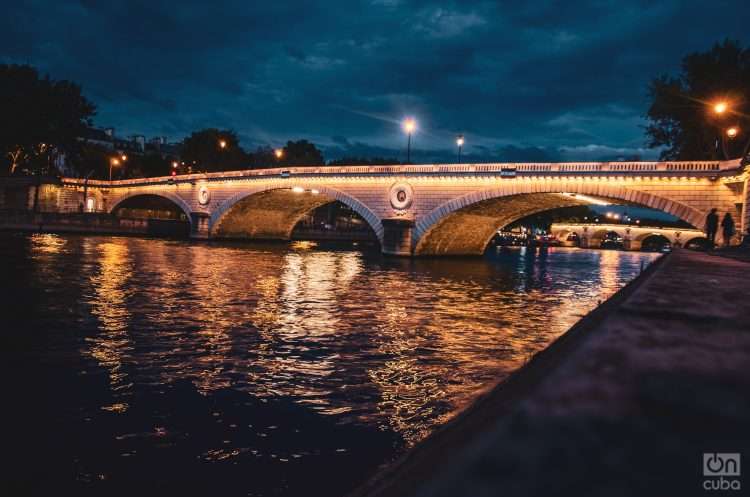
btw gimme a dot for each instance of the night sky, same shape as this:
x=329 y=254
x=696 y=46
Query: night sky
x=527 y=81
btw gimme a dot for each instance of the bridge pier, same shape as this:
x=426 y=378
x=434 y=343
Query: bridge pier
x=745 y=215
x=397 y=236
x=630 y=244
x=199 y=226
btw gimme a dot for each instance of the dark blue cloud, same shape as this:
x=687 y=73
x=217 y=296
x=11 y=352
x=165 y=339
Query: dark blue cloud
x=522 y=80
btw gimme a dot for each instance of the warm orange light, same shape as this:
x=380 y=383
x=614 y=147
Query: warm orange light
x=124 y=157
x=222 y=143
x=174 y=164
x=410 y=125
x=114 y=161
x=733 y=131
x=278 y=153
x=720 y=107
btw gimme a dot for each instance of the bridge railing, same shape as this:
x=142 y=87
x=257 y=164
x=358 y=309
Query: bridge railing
x=500 y=168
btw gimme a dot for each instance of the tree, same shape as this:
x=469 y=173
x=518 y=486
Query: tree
x=301 y=153
x=214 y=150
x=263 y=157
x=41 y=118
x=681 y=115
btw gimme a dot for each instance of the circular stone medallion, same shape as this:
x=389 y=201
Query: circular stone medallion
x=204 y=196
x=401 y=196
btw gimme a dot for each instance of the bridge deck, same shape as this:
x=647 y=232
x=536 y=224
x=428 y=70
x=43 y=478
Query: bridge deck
x=546 y=168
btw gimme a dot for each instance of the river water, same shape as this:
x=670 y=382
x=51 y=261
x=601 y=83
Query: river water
x=144 y=366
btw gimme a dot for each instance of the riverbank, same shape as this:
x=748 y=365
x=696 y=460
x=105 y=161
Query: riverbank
x=91 y=223
x=625 y=403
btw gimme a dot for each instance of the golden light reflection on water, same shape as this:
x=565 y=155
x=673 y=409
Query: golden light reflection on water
x=111 y=348
x=46 y=243
x=402 y=345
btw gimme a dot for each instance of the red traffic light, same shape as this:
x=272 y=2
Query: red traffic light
x=174 y=173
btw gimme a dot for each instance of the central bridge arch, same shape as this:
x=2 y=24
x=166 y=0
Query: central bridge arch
x=465 y=225
x=271 y=212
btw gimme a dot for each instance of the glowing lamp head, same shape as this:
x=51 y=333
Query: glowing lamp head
x=115 y=161
x=720 y=107
x=174 y=164
x=222 y=144
x=733 y=132
x=278 y=153
x=410 y=125
x=460 y=140
x=124 y=157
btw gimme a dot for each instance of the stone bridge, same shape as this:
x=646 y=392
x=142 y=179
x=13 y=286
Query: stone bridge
x=419 y=209
x=633 y=236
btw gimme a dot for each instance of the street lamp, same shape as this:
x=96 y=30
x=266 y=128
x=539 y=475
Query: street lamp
x=279 y=153
x=720 y=109
x=460 y=144
x=114 y=161
x=222 y=144
x=409 y=126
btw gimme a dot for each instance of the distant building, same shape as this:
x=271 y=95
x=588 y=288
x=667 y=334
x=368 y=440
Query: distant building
x=135 y=144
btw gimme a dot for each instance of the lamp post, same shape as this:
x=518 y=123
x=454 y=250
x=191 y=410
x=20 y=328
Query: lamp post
x=409 y=126
x=114 y=161
x=731 y=133
x=460 y=145
x=279 y=153
x=720 y=108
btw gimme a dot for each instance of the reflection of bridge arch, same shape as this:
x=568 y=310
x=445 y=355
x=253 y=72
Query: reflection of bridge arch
x=430 y=241
x=175 y=199
x=292 y=205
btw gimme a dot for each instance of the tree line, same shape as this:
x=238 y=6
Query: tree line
x=44 y=120
x=47 y=129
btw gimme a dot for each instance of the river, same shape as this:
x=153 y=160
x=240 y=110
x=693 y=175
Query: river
x=155 y=367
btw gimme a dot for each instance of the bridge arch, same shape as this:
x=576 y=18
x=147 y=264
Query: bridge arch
x=295 y=212
x=428 y=239
x=175 y=199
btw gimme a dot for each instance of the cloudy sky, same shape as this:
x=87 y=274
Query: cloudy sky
x=522 y=80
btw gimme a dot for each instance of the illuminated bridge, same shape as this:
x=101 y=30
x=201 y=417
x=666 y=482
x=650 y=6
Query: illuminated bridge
x=415 y=209
x=590 y=235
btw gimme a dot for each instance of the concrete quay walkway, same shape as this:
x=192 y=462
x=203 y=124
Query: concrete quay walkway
x=625 y=404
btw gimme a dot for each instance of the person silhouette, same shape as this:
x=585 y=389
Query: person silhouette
x=712 y=224
x=727 y=228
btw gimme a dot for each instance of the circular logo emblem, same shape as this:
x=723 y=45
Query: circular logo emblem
x=401 y=196
x=204 y=196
